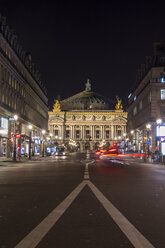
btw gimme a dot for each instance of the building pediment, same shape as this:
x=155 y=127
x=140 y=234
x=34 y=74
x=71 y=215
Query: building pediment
x=56 y=119
x=120 y=120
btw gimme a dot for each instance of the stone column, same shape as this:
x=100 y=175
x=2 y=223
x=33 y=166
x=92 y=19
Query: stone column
x=51 y=128
x=91 y=131
x=71 y=132
x=62 y=132
x=93 y=135
x=112 y=132
x=83 y=132
x=103 y=135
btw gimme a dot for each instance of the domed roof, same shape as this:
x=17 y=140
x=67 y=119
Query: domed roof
x=86 y=100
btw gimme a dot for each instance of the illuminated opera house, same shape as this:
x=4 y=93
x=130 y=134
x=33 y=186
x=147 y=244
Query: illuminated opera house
x=87 y=121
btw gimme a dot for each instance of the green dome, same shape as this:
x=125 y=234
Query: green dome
x=86 y=100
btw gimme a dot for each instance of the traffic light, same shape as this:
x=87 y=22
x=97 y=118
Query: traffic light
x=17 y=135
x=90 y=138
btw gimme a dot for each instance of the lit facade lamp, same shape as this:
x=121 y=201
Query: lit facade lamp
x=14 y=148
x=30 y=141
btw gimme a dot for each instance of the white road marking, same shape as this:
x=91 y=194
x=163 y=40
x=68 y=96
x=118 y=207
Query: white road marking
x=134 y=236
x=86 y=173
x=36 y=235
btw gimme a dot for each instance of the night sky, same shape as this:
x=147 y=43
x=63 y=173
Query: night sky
x=71 y=41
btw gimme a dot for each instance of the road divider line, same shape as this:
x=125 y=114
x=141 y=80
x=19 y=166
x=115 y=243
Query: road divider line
x=134 y=236
x=38 y=233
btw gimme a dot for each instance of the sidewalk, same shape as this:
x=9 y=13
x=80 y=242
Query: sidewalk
x=22 y=159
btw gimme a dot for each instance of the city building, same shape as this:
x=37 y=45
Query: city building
x=146 y=108
x=22 y=95
x=87 y=121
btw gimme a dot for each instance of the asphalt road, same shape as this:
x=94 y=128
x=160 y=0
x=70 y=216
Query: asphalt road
x=79 y=202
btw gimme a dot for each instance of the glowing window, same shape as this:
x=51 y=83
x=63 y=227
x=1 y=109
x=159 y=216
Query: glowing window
x=135 y=110
x=162 y=94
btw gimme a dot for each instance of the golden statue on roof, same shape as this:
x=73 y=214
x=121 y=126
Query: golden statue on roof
x=119 y=105
x=56 y=106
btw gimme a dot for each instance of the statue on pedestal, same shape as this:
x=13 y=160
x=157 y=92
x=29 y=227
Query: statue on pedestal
x=119 y=105
x=56 y=106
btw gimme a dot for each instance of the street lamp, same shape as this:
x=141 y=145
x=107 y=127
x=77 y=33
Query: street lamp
x=43 y=148
x=124 y=135
x=14 y=150
x=132 y=139
x=148 y=126
x=30 y=128
x=159 y=122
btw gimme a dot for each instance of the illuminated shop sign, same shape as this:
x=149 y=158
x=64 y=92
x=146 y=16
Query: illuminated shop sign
x=160 y=131
x=4 y=123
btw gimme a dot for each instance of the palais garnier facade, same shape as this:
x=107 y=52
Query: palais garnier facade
x=87 y=120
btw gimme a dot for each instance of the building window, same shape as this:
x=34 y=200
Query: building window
x=87 y=133
x=118 y=132
x=140 y=105
x=162 y=94
x=97 y=134
x=3 y=98
x=77 y=134
x=135 y=110
x=107 y=134
x=56 y=132
x=149 y=97
x=67 y=133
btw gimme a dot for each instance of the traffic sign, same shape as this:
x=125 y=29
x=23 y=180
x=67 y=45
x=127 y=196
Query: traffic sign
x=148 y=141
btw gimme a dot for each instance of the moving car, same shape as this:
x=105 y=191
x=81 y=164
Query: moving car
x=60 y=151
x=98 y=153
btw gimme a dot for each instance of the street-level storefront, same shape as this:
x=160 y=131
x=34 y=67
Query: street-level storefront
x=3 y=135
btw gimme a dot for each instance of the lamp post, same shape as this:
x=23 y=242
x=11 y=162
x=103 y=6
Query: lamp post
x=132 y=134
x=43 y=141
x=159 y=122
x=148 y=126
x=30 y=128
x=124 y=135
x=14 y=150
